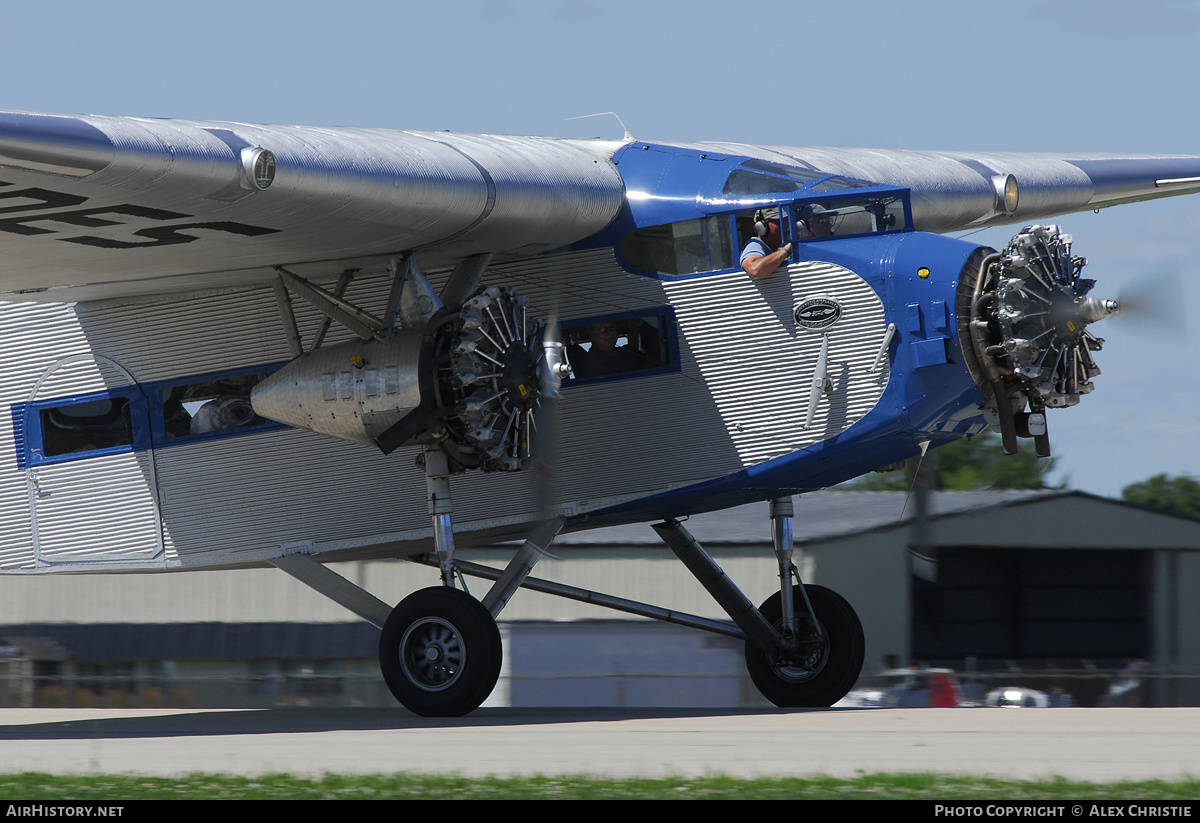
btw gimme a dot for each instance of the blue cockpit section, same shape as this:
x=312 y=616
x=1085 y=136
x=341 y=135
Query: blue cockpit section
x=689 y=212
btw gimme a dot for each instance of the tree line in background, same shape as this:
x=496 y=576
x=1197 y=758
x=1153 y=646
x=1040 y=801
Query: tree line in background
x=966 y=465
x=980 y=463
x=1180 y=495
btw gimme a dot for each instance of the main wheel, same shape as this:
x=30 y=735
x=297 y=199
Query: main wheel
x=440 y=652
x=825 y=667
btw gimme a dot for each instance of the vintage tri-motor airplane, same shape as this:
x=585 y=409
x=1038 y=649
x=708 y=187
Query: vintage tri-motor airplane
x=227 y=345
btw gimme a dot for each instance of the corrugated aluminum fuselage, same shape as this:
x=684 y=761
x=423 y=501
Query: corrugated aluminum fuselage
x=727 y=421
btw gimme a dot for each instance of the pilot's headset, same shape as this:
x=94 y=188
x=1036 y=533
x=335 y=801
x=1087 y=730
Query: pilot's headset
x=761 y=227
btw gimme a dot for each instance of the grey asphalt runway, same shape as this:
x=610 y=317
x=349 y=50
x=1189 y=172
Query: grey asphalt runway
x=1092 y=744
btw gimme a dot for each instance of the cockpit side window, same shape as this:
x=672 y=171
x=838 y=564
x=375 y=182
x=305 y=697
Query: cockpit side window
x=686 y=247
x=759 y=177
x=836 y=182
x=746 y=183
x=818 y=220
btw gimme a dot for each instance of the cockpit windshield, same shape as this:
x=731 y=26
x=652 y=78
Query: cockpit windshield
x=757 y=177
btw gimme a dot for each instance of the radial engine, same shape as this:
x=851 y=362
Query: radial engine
x=1025 y=312
x=469 y=381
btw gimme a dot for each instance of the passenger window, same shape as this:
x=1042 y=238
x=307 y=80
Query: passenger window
x=89 y=426
x=210 y=406
x=613 y=347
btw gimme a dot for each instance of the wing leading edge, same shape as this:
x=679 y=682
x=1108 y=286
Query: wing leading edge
x=952 y=191
x=96 y=207
x=122 y=205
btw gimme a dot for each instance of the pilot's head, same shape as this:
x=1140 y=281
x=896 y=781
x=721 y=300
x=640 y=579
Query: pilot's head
x=605 y=336
x=772 y=238
x=817 y=220
x=767 y=229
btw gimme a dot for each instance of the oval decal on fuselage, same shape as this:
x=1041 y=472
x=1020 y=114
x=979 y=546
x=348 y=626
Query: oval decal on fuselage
x=816 y=313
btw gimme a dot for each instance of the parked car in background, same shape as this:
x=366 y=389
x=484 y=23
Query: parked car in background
x=1016 y=697
x=905 y=689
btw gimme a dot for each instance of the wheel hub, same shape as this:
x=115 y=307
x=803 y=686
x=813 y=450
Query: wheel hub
x=432 y=654
x=810 y=656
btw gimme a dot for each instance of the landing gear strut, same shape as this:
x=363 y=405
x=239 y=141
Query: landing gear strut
x=440 y=651
x=824 y=639
x=804 y=645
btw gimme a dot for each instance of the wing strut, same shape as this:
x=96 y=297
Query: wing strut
x=521 y=565
x=411 y=302
x=338 y=291
x=284 y=303
x=465 y=278
x=362 y=323
x=317 y=576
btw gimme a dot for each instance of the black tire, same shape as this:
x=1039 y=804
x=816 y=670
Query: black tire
x=440 y=652
x=825 y=671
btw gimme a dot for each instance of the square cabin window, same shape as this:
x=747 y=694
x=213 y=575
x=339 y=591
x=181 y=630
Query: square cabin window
x=92 y=425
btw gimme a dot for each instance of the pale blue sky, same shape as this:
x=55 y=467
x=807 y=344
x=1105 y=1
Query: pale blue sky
x=1030 y=75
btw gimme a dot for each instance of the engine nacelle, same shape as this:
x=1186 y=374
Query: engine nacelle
x=469 y=381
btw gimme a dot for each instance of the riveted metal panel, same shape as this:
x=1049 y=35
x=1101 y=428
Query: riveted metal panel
x=100 y=510
x=739 y=396
x=45 y=333
x=759 y=366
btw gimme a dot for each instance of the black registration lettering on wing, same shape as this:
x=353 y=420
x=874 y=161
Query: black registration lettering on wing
x=170 y=235
x=124 y=214
x=49 y=199
x=84 y=217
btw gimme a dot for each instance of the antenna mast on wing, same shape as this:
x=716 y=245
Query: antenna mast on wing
x=628 y=138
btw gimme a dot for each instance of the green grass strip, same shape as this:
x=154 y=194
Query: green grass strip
x=36 y=786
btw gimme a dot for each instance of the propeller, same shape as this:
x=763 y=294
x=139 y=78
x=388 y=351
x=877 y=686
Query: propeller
x=1154 y=303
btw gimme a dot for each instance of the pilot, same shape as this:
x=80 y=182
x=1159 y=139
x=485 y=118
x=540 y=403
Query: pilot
x=763 y=254
x=605 y=357
x=815 y=221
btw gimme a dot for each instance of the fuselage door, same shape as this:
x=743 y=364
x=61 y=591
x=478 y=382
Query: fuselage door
x=89 y=466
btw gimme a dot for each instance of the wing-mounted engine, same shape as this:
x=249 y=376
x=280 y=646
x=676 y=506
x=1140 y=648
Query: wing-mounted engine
x=467 y=378
x=1025 y=312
